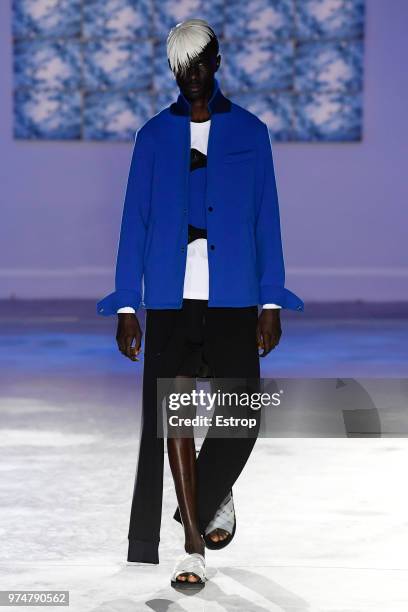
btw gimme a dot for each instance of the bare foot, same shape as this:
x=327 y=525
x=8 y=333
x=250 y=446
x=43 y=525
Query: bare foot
x=218 y=535
x=192 y=544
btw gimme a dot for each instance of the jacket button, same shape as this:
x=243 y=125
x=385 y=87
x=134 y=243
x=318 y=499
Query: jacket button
x=210 y=208
x=182 y=249
x=212 y=247
x=184 y=210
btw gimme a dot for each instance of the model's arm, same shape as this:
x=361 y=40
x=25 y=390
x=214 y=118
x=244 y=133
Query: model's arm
x=129 y=261
x=271 y=269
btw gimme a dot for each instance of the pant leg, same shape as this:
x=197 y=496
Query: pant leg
x=145 y=516
x=231 y=351
x=164 y=351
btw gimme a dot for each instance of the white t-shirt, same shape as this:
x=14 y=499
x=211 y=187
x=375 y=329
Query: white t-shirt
x=196 y=277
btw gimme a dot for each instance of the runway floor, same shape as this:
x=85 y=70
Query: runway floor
x=321 y=522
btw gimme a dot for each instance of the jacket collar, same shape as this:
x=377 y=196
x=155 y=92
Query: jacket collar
x=218 y=103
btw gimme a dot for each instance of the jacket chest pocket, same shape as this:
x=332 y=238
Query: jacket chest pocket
x=238 y=179
x=235 y=157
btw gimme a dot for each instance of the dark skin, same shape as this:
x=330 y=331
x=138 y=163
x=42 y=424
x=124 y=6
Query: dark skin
x=196 y=84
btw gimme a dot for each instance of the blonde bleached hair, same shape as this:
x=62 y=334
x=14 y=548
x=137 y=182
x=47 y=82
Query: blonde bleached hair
x=186 y=41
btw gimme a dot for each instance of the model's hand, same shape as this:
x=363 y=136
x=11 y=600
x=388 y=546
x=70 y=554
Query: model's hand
x=268 y=331
x=128 y=330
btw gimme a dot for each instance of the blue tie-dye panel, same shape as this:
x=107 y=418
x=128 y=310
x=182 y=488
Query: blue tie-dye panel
x=97 y=69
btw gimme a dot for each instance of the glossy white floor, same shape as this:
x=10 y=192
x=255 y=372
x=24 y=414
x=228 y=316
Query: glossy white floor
x=321 y=522
x=322 y=525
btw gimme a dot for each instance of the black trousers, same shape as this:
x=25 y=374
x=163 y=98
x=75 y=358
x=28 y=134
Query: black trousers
x=194 y=340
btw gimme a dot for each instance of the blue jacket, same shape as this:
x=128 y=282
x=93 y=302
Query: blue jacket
x=245 y=258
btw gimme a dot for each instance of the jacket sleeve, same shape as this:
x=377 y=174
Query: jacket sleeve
x=270 y=261
x=130 y=252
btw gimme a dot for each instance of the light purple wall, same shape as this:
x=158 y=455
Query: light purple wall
x=343 y=206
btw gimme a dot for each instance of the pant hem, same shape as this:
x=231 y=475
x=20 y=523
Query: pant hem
x=140 y=551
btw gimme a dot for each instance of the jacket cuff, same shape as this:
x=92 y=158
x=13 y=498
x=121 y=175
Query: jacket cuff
x=281 y=296
x=110 y=304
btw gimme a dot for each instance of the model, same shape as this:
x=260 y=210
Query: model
x=200 y=248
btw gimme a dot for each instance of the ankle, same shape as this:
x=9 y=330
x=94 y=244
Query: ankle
x=194 y=544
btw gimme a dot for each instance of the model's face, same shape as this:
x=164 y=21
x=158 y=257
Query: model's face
x=197 y=81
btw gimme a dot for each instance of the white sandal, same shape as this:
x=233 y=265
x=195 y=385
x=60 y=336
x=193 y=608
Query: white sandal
x=193 y=563
x=224 y=519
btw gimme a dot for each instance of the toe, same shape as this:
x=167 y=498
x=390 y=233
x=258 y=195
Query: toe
x=192 y=578
x=218 y=535
x=214 y=536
